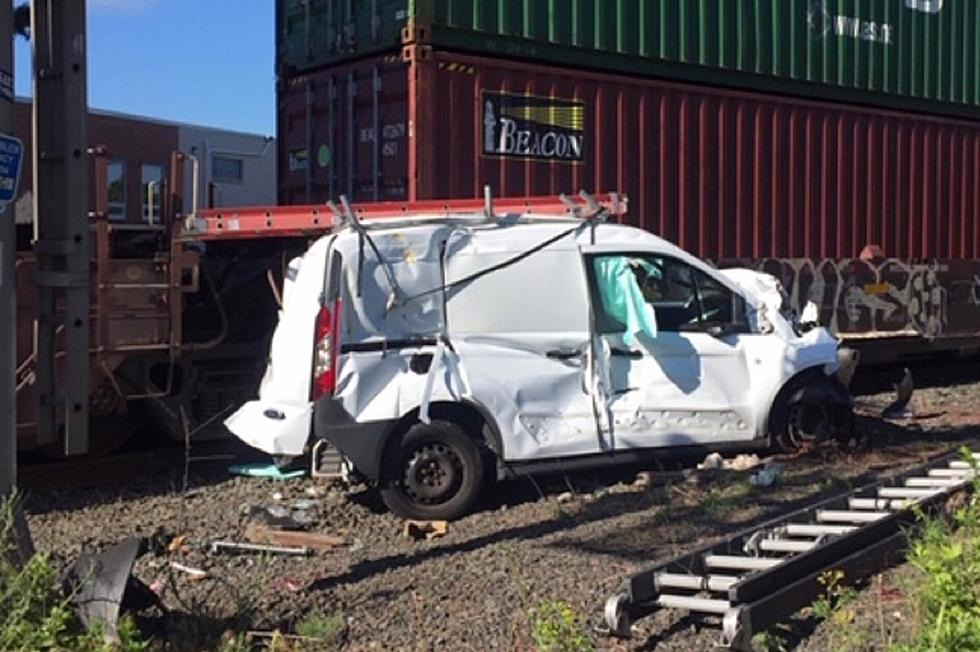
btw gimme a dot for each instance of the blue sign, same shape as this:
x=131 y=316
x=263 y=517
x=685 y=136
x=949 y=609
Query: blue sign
x=11 y=156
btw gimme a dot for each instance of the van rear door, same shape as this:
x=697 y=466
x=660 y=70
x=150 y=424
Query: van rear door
x=279 y=421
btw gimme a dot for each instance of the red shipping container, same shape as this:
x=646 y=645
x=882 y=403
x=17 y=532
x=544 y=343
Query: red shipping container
x=724 y=174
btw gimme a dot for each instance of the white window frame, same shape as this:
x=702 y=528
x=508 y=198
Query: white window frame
x=118 y=206
x=157 y=191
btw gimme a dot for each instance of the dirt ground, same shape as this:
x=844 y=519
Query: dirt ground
x=572 y=538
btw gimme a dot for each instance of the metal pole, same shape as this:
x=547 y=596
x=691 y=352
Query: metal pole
x=22 y=548
x=8 y=289
x=62 y=238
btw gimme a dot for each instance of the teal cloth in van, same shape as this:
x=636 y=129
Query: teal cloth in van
x=622 y=298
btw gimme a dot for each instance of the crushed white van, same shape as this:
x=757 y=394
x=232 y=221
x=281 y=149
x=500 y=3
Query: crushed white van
x=437 y=353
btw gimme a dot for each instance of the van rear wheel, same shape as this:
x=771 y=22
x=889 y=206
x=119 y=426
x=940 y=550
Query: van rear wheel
x=434 y=472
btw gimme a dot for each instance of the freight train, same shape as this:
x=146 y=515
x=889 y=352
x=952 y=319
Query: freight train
x=833 y=144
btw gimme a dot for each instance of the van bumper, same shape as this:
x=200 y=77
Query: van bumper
x=274 y=427
x=361 y=443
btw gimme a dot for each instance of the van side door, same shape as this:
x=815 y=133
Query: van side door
x=522 y=337
x=684 y=381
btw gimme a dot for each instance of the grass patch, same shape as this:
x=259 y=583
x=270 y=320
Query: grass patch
x=555 y=627
x=836 y=607
x=326 y=630
x=768 y=641
x=34 y=612
x=946 y=599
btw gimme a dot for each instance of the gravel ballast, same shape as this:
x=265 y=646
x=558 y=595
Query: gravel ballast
x=571 y=538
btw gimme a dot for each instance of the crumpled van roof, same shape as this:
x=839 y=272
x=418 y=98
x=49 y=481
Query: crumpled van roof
x=412 y=250
x=521 y=230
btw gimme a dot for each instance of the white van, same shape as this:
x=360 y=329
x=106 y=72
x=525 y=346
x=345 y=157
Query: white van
x=436 y=353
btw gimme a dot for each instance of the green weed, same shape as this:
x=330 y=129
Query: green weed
x=946 y=557
x=835 y=607
x=768 y=641
x=555 y=627
x=324 y=629
x=34 y=612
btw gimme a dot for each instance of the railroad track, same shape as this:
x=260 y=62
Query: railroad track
x=93 y=471
x=128 y=466
x=760 y=576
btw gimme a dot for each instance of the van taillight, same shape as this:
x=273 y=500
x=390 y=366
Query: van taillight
x=326 y=349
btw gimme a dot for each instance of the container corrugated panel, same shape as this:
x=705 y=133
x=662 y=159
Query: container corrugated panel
x=919 y=55
x=723 y=173
x=311 y=34
x=795 y=187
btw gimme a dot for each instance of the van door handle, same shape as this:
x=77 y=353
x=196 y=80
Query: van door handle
x=564 y=354
x=624 y=353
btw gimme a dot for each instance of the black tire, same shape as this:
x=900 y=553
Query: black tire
x=804 y=414
x=433 y=472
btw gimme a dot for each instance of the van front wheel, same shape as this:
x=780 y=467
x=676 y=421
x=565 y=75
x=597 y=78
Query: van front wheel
x=434 y=472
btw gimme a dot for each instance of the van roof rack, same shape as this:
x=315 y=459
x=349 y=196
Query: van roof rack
x=304 y=221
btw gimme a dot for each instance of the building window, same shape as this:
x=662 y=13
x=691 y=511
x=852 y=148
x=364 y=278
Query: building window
x=117 y=190
x=224 y=168
x=151 y=174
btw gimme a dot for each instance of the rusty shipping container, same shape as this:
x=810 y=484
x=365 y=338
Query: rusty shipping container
x=917 y=55
x=874 y=215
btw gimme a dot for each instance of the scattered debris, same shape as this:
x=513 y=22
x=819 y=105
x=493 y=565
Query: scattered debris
x=767 y=476
x=277 y=636
x=291 y=584
x=235 y=546
x=357 y=546
x=741 y=462
x=190 y=571
x=159 y=585
x=643 y=480
x=277 y=517
x=303 y=518
x=899 y=408
x=712 y=461
x=565 y=497
x=312 y=540
x=265 y=471
x=647 y=479
x=103 y=586
x=427 y=529
x=848 y=359
x=178 y=544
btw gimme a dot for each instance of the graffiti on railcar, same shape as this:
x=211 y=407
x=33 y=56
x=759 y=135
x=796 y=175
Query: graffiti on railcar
x=873 y=294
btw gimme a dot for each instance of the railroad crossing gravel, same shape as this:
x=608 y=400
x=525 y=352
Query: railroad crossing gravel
x=572 y=538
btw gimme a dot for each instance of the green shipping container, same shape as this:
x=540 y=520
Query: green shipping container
x=918 y=55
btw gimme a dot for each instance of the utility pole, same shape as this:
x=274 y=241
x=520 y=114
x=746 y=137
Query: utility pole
x=61 y=223
x=11 y=163
x=8 y=288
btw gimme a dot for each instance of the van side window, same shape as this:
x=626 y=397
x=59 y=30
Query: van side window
x=683 y=298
